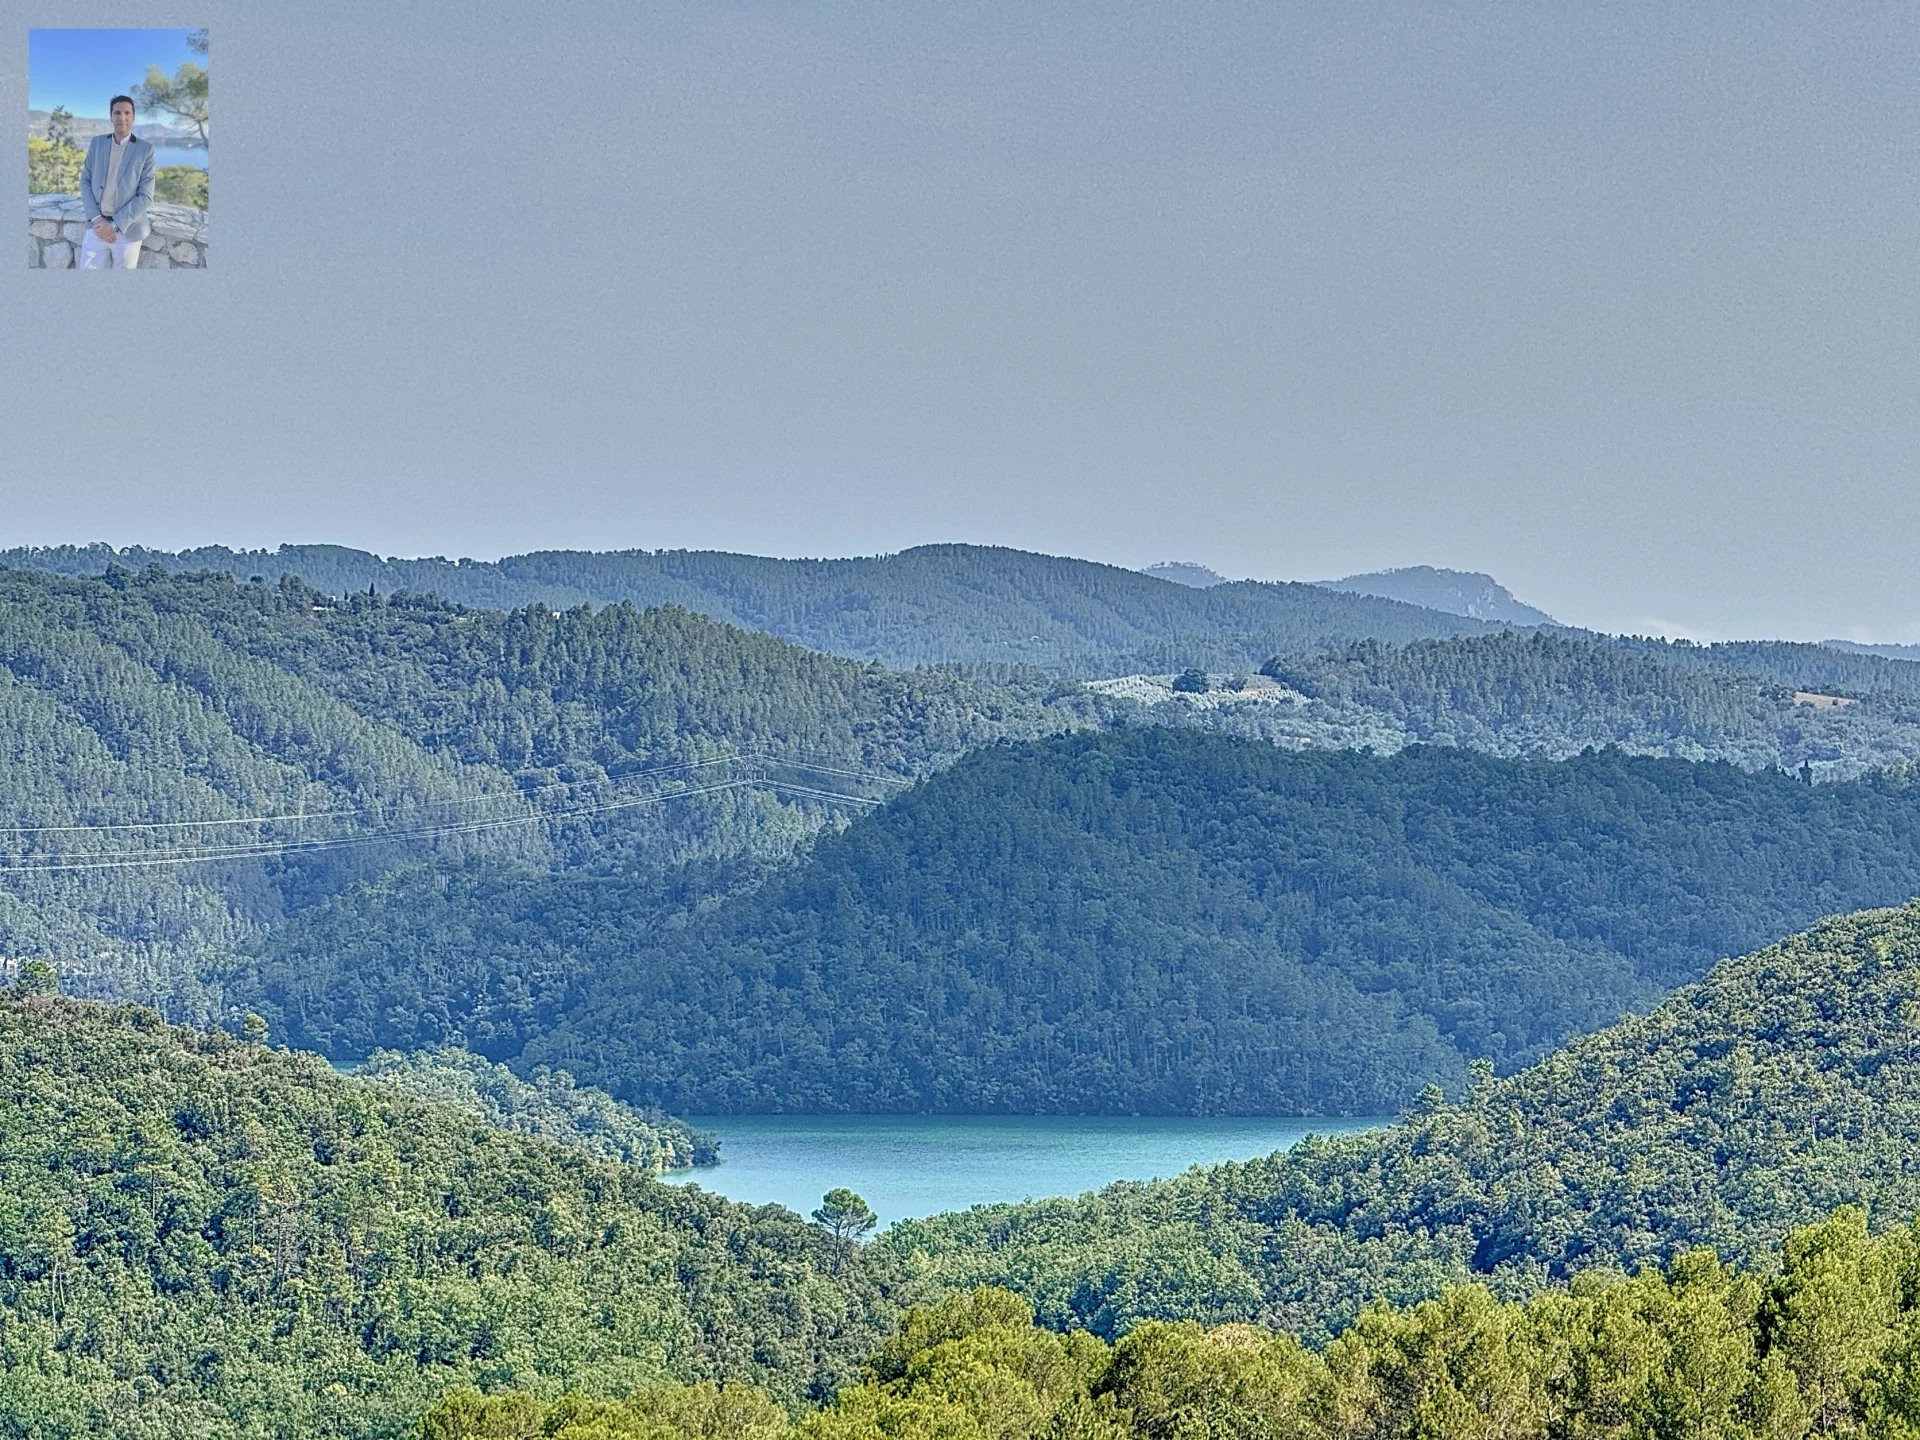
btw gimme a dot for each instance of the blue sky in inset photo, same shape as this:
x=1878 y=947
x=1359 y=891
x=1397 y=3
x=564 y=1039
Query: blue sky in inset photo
x=84 y=69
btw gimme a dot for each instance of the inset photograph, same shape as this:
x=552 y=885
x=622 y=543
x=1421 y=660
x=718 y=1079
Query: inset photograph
x=117 y=175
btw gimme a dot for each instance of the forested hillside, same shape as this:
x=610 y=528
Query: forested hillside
x=1805 y=666
x=1132 y=921
x=184 y=760
x=200 y=1237
x=1818 y=1340
x=530 y=833
x=1384 y=676
x=274 y=1249
x=393 y=821
x=927 y=605
x=547 y=1103
x=1786 y=1083
x=1557 y=692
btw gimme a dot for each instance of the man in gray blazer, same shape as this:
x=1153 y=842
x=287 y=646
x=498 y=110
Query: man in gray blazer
x=116 y=187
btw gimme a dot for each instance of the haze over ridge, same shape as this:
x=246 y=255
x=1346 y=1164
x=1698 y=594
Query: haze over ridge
x=1617 y=305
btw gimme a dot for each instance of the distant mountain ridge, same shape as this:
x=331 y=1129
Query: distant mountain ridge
x=1888 y=651
x=1418 y=674
x=927 y=605
x=1455 y=592
x=84 y=128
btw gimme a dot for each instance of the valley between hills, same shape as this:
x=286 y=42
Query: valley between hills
x=369 y=923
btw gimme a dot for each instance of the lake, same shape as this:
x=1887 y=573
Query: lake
x=906 y=1166
x=194 y=155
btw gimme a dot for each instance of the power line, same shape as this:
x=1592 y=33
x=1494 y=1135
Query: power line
x=446 y=801
x=55 y=863
x=828 y=769
x=63 y=864
x=792 y=789
x=173 y=824
x=255 y=849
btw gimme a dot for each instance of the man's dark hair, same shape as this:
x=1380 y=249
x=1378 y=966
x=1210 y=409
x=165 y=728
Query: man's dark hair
x=117 y=99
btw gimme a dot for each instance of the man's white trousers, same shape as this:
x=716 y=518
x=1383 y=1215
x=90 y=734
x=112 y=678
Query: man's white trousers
x=97 y=254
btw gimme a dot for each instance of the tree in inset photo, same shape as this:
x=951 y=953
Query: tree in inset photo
x=185 y=95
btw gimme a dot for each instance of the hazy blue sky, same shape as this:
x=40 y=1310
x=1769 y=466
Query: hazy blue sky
x=83 y=69
x=1618 y=302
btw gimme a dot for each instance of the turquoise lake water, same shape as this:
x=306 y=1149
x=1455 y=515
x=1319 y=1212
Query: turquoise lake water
x=906 y=1166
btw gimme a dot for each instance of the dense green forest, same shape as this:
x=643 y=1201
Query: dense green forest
x=203 y=1237
x=547 y=1103
x=398 y=822
x=923 y=606
x=1376 y=684
x=1131 y=921
x=1829 y=667
x=147 y=721
x=704 y=869
x=1824 y=1340
x=1785 y=1084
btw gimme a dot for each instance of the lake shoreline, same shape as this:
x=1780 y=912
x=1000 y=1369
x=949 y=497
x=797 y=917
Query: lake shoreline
x=911 y=1166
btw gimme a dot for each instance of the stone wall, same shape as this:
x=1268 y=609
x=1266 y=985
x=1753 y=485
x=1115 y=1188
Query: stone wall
x=56 y=225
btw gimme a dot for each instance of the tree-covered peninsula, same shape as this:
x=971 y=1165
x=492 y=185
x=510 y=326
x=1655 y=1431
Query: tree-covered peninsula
x=546 y=1103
